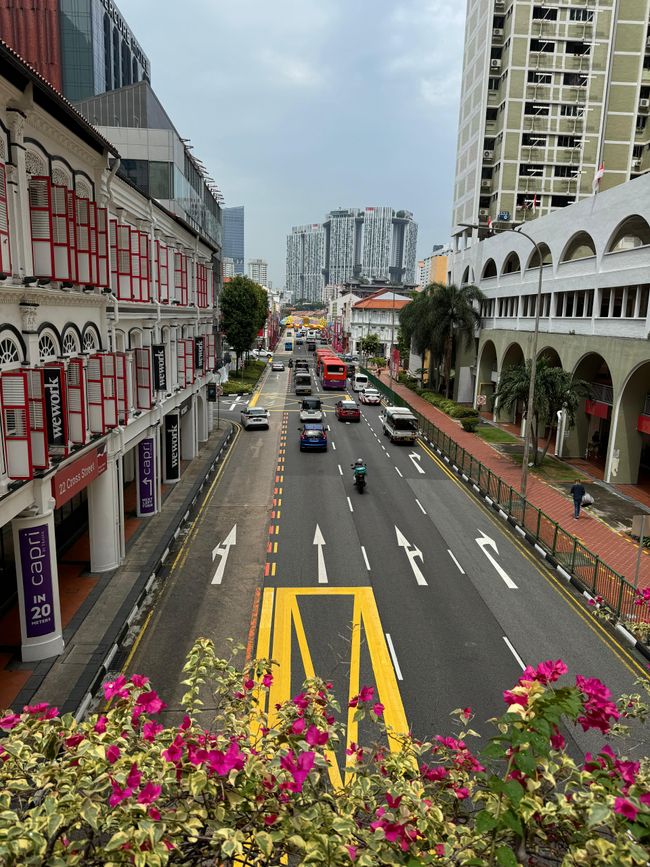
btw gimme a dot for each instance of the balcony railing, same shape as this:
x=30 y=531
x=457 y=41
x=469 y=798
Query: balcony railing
x=646 y=406
x=602 y=393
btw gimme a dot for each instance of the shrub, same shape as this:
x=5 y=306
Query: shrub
x=470 y=423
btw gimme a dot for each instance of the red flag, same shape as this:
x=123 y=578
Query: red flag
x=490 y=230
x=600 y=171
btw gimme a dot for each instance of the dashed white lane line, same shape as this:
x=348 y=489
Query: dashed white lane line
x=421 y=507
x=393 y=656
x=365 y=557
x=340 y=470
x=399 y=473
x=232 y=406
x=350 y=504
x=460 y=568
x=334 y=446
x=514 y=652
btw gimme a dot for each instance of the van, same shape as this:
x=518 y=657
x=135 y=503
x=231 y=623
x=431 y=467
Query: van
x=359 y=382
x=302 y=382
x=399 y=424
x=311 y=410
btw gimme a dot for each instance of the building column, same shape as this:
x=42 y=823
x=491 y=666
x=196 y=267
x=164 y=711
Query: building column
x=104 y=524
x=147 y=485
x=37 y=578
x=189 y=445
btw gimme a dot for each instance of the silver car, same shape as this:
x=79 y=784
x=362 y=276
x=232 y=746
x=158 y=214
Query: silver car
x=311 y=410
x=254 y=416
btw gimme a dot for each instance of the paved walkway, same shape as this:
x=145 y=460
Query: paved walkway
x=613 y=547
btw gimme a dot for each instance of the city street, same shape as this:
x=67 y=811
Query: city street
x=413 y=587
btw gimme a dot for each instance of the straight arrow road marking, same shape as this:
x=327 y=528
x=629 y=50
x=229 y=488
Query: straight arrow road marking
x=320 y=541
x=223 y=550
x=415 y=460
x=485 y=542
x=412 y=552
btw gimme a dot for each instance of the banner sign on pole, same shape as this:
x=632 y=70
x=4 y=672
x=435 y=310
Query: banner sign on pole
x=146 y=477
x=54 y=405
x=34 y=543
x=199 y=350
x=159 y=367
x=172 y=448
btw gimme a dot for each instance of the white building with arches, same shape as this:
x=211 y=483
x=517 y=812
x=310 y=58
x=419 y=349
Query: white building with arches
x=594 y=317
x=107 y=348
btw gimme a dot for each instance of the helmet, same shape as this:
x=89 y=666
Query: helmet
x=359 y=462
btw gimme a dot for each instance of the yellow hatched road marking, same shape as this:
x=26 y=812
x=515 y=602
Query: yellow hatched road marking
x=273 y=567
x=355 y=666
x=275 y=547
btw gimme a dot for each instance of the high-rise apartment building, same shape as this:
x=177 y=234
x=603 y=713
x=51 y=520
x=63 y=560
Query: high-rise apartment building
x=433 y=268
x=233 y=236
x=258 y=270
x=553 y=95
x=343 y=230
x=228 y=266
x=305 y=262
x=82 y=47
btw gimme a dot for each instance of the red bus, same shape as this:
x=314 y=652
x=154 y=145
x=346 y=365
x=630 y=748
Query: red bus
x=320 y=354
x=333 y=374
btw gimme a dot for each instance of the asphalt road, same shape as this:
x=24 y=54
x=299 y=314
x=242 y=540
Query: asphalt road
x=414 y=586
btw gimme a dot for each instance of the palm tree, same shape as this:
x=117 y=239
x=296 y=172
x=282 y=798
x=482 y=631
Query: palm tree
x=455 y=319
x=417 y=324
x=555 y=389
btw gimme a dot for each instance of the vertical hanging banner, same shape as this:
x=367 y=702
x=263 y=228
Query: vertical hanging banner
x=55 y=408
x=159 y=367
x=146 y=477
x=172 y=448
x=199 y=354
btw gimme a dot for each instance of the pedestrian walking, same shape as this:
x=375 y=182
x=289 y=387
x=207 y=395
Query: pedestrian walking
x=577 y=492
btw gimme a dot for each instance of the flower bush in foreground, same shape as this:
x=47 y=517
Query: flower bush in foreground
x=119 y=788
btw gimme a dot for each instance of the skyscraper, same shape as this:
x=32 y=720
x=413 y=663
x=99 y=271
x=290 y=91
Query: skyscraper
x=342 y=245
x=555 y=98
x=258 y=270
x=233 y=236
x=305 y=262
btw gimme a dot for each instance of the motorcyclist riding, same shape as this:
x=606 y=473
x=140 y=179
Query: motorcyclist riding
x=359 y=473
x=291 y=362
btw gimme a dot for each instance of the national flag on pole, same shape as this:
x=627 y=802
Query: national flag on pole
x=600 y=171
x=490 y=229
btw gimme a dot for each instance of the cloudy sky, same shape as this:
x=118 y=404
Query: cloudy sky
x=297 y=107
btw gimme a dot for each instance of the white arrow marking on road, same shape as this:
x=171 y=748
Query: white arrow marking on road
x=322 y=571
x=223 y=550
x=414 y=456
x=411 y=552
x=485 y=542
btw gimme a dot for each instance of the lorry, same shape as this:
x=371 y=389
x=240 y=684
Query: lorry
x=399 y=424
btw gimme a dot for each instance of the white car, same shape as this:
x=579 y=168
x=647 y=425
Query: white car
x=261 y=353
x=311 y=410
x=254 y=416
x=370 y=396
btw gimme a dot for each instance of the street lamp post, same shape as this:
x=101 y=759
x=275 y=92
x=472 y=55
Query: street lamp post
x=533 y=358
x=392 y=338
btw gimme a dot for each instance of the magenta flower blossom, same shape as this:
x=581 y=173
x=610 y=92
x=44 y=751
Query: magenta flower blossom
x=367 y=693
x=298 y=726
x=187 y=722
x=139 y=680
x=461 y=792
x=434 y=775
x=626 y=809
x=100 y=725
x=545 y=673
x=300 y=701
x=112 y=754
x=149 y=793
x=36 y=708
x=150 y=730
x=599 y=709
x=352 y=852
x=299 y=767
x=392 y=802
x=134 y=778
x=249 y=684
x=510 y=698
x=115 y=688
x=267 y=680
x=119 y=794
x=9 y=722
x=271 y=819
x=223 y=763
x=378 y=709
x=74 y=740
x=315 y=737
x=151 y=702
x=174 y=753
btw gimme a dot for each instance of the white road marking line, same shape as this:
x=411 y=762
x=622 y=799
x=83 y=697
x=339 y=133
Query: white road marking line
x=340 y=470
x=334 y=446
x=460 y=568
x=421 y=507
x=514 y=653
x=232 y=406
x=350 y=504
x=398 y=473
x=365 y=557
x=393 y=656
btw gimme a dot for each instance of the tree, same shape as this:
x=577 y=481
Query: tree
x=240 y=311
x=233 y=785
x=370 y=344
x=455 y=320
x=417 y=324
x=555 y=390
x=262 y=306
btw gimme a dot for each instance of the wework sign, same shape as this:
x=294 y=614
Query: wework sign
x=54 y=407
x=199 y=350
x=172 y=448
x=159 y=367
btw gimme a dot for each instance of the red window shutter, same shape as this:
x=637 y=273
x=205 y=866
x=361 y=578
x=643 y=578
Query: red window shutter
x=191 y=281
x=83 y=232
x=184 y=299
x=15 y=424
x=40 y=213
x=76 y=400
x=143 y=377
x=178 y=276
x=109 y=389
x=189 y=361
x=5 y=246
x=124 y=285
x=60 y=236
x=121 y=365
x=135 y=266
x=212 y=351
x=103 y=279
x=71 y=203
x=112 y=242
x=180 y=359
x=37 y=422
x=162 y=257
x=145 y=285
x=96 y=422
x=94 y=243
x=56 y=449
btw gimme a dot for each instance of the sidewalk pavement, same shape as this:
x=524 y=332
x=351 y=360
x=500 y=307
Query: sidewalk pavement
x=92 y=637
x=613 y=547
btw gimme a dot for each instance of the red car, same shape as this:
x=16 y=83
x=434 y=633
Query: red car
x=347 y=410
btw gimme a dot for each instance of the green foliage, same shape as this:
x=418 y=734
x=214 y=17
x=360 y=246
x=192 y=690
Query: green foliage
x=370 y=344
x=449 y=407
x=378 y=361
x=241 y=309
x=235 y=786
x=470 y=423
x=245 y=379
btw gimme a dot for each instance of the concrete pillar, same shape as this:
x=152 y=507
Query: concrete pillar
x=104 y=524
x=147 y=483
x=129 y=466
x=202 y=417
x=189 y=443
x=38 y=586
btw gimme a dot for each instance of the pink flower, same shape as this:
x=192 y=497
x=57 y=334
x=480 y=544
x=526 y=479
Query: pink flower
x=133 y=780
x=378 y=709
x=100 y=725
x=461 y=792
x=625 y=808
x=546 y=672
x=74 y=740
x=434 y=775
x=150 y=729
x=367 y=693
x=301 y=701
x=299 y=767
x=139 y=681
x=645 y=799
x=223 y=763
x=36 y=708
x=112 y=754
x=267 y=680
x=440 y=849
x=557 y=740
x=119 y=794
x=315 y=737
x=352 y=852
x=149 y=793
x=298 y=726
x=467 y=712
x=151 y=702
x=154 y=814
x=597 y=704
x=249 y=684
x=9 y=722
x=174 y=753
x=115 y=688
x=392 y=802
x=271 y=819
x=187 y=722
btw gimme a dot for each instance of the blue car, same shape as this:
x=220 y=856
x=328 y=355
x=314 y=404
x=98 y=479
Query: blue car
x=313 y=436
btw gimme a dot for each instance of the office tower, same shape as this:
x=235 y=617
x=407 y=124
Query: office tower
x=305 y=262
x=342 y=245
x=258 y=270
x=228 y=266
x=555 y=98
x=233 y=236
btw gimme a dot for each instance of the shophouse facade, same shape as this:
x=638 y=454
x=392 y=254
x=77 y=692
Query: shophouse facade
x=107 y=348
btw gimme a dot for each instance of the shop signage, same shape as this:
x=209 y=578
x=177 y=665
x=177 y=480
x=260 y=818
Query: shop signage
x=52 y=381
x=172 y=448
x=159 y=367
x=34 y=544
x=212 y=392
x=146 y=477
x=74 y=477
x=199 y=353
x=185 y=406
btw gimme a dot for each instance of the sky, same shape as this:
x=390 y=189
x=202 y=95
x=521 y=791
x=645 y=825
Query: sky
x=298 y=107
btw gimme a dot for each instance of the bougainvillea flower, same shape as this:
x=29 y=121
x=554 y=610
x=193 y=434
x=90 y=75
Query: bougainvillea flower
x=392 y=802
x=352 y=852
x=625 y=808
x=378 y=709
x=300 y=701
x=149 y=793
x=298 y=726
x=298 y=766
x=461 y=792
x=36 y=708
x=74 y=740
x=271 y=819
x=174 y=753
x=100 y=725
x=113 y=753
x=116 y=688
x=9 y=722
x=434 y=775
x=150 y=729
x=151 y=702
x=119 y=794
x=223 y=763
x=267 y=680
x=367 y=693
x=557 y=740
x=599 y=709
x=315 y=737
x=139 y=680
x=249 y=683
x=134 y=778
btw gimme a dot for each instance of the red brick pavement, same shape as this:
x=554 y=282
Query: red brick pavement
x=613 y=547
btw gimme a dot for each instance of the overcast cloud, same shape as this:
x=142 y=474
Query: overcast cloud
x=297 y=107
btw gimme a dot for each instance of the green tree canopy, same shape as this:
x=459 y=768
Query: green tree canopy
x=240 y=313
x=370 y=344
x=455 y=320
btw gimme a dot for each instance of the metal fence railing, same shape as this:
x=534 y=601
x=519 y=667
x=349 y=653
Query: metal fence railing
x=590 y=572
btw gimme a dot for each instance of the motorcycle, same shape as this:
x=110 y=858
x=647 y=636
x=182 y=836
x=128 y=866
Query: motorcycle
x=290 y=363
x=359 y=478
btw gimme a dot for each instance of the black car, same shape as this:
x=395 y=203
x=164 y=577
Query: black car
x=311 y=346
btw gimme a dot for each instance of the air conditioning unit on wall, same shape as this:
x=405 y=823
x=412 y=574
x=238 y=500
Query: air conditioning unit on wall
x=495 y=63
x=484 y=212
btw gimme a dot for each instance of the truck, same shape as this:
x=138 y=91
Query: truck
x=399 y=424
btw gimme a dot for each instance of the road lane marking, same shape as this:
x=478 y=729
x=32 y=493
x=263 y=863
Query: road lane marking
x=484 y=542
x=514 y=652
x=398 y=670
x=460 y=568
x=398 y=473
x=421 y=507
x=334 y=446
x=232 y=406
x=412 y=552
x=350 y=504
x=340 y=470
x=365 y=557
